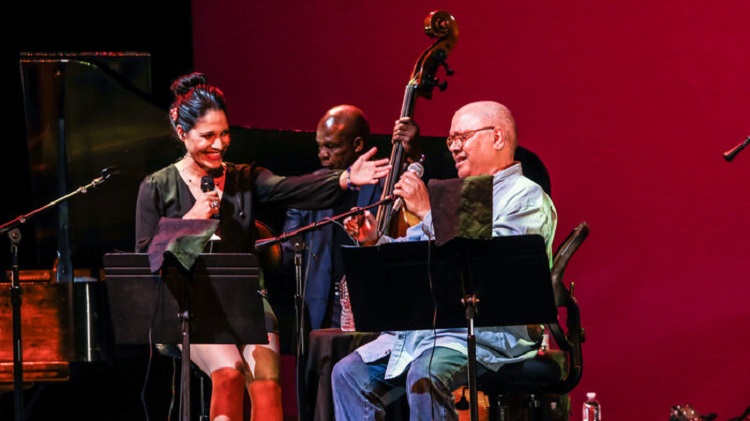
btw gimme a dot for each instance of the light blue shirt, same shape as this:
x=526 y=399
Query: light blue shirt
x=519 y=207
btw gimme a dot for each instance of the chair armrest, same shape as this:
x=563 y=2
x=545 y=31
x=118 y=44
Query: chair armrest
x=569 y=340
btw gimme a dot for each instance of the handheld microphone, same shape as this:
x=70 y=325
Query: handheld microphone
x=207 y=183
x=417 y=169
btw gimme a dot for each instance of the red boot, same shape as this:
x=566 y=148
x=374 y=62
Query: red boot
x=227 y=393
x=265 y=398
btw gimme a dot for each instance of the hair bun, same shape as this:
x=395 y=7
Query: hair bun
x=184 y=84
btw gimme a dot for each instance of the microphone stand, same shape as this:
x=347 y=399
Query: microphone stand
x=262 y=245
x=299 y=246
x=14 y=234
x=730 y=154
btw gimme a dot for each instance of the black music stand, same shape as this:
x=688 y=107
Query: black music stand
x=402 y=286
x=218 y=301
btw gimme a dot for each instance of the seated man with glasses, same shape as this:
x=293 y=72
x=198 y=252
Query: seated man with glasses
x=428 y=365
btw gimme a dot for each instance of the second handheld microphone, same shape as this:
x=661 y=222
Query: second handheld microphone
x=416 y=168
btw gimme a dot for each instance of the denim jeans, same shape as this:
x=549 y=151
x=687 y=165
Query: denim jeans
x=360 y=391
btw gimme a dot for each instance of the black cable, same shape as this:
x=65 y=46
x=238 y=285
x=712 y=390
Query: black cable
x=148 y=373
x=174 y=389
x=434 y=315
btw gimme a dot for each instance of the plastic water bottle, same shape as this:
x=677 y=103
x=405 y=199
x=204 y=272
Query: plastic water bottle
x=592 y=410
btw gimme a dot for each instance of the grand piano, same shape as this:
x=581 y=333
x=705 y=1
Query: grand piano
x=84 y=112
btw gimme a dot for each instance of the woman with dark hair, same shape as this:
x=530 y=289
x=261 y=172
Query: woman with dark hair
x=199 y=118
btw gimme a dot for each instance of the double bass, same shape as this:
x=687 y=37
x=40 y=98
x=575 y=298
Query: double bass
x=442 y=26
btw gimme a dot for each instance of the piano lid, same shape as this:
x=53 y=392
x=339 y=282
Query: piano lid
x=86 y=112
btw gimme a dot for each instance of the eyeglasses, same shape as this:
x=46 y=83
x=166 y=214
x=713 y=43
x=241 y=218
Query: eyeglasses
x=464 y=136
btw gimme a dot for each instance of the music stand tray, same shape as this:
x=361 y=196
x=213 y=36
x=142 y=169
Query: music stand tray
x=221 y=292
x=218 y=301
x=391 y=286
x=418 y=285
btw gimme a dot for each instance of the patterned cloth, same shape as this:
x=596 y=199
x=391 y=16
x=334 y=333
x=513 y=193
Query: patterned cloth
x=185 y=239
x=461 y=208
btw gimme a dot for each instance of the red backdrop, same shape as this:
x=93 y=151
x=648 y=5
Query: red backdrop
x=630 y=104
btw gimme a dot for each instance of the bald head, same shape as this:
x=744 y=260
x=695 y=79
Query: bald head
x=346 y=120
x=490 y=113
x=489 y=150
x=341 y=135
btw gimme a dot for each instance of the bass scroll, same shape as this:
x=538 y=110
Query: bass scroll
x=442 y=26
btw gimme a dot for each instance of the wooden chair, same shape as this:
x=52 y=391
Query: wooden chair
x=552 y=371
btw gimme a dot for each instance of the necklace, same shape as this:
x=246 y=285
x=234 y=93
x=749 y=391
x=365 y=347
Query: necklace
x=190 y=176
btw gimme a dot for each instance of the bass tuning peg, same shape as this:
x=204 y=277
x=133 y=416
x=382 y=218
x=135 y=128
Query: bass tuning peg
x=448 y=70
